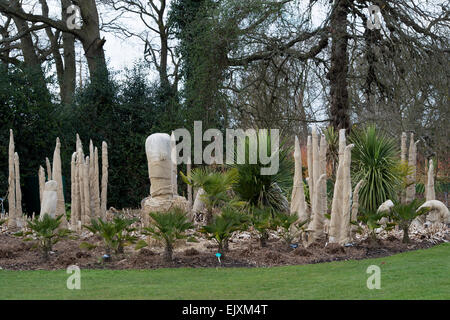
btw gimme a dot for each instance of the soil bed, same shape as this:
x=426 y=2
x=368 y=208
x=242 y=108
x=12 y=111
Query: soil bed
x=18 y=255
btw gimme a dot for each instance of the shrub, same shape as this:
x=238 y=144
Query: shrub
x=285 y=222
x=169 y=227
x=47 y=232
x=116 y=234
x=375 y=160
x=370 y=218
x=216 y=186
x=404 y=214
x=265 y=190
x=224 y=225
x=262 y=221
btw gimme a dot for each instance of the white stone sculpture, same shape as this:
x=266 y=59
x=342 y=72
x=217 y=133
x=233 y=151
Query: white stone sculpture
x=298 y=203
x=317 y=182
x=104 y=192
x=49 y=199
x=57 y=176
x=441 y=213
x=161 y=174
x=11 y=184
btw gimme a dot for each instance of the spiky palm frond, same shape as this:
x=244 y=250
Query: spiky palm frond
x=215 y=184
x=265 y=190
x=404 y=214
x=169 y=226
x=47 y=231
x=115 y=234
x=224 y=225
x=375 y=160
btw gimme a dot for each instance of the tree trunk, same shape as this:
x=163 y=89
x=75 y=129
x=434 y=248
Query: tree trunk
x=263 y=239
x=405 y=234
x=339 y=109
x=168 y=251
x=70 y=71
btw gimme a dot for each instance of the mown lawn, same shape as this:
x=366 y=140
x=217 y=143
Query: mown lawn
x=420 y=274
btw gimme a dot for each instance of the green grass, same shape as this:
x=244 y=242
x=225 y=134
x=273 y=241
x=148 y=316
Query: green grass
x=422 y=274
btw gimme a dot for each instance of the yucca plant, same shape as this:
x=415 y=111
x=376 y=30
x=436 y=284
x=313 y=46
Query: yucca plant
x=116 y=234
x=216 y=185
x=404 y=214
x=262 y=221
x=375 y=160
x=223 y=226
x=47 y=231
x=265 y=190
x=169 y=227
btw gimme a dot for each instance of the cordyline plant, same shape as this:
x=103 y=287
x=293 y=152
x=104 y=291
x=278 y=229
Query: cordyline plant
x=404 y=214
x=168 y=227
x=375 y=160
x=224 y=225
x=47 y=232
x=116 y=234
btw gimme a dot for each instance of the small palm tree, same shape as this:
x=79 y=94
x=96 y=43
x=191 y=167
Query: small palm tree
x=404 y=215
x=370 y=218
x=223 y=226
x=216 y=185
x=286 y=222
x=265 y=190
x=169 y=227
x=375 y=160
x=262 y=222
x=47 y=232
x=116 y=234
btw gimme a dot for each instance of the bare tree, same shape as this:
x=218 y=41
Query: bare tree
x=154 y=15
x=88 y=34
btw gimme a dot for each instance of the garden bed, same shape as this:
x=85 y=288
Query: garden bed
x=16 y=254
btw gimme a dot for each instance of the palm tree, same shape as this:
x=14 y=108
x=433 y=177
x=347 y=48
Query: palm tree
x=216 y=185
x=265 y=190
x=404 y=215
x=375 y=160
x=169 y=227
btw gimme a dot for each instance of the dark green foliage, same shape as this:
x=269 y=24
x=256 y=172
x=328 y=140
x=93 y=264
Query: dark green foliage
x=115 y=234
x=404 y=214
x=262 y=222
x=265 y=190
x=216 y=185
x=375 y=160
x=25 y=107
x=371 y=219
x=224 y=225
x=203 y=61
x=47 y=232
x=123 y=114
x=286 y=222
x=169 y=227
